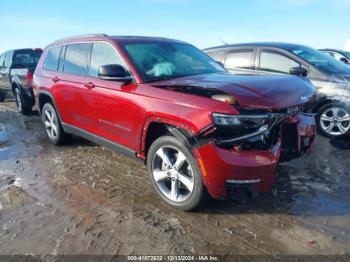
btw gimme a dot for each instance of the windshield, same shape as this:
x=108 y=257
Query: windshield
x=158 y=61
x=321 y=61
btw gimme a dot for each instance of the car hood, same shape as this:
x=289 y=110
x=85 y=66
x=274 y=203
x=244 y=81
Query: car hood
x=252 y=91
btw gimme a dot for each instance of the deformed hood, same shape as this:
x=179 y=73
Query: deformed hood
x=252 y=91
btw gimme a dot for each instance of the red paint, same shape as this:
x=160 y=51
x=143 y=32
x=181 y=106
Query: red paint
x=122 y=112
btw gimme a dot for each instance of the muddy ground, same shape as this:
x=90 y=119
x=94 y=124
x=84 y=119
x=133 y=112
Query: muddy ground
x=85 y=199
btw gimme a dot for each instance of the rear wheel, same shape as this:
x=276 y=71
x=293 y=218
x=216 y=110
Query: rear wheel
x=22 y=105
x=53 y=126
x=174 y=173
x=2 y=96
x=333 y=120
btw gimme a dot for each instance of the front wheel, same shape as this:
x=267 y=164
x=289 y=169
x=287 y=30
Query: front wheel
x=333 y=120
x=174 y=173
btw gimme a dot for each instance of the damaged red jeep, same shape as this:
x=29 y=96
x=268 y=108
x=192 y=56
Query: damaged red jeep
x=198 y=128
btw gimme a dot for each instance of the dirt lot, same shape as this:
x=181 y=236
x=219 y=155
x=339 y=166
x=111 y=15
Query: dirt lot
x=85 y=199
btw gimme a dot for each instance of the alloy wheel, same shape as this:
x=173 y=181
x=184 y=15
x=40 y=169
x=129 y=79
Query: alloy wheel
x=335 y=121
x=173 y=174
x=51 y=123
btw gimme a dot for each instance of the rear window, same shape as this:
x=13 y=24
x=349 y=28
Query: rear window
x=76 y=59
x=26 y=57
x=52 y=59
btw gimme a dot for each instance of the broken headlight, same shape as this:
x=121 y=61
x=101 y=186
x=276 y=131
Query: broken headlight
x=232 y=128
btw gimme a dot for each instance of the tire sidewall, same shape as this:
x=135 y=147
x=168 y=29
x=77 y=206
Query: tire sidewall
x=21 y=98
x=198 y=191
x=57 y=140
x=321 y=110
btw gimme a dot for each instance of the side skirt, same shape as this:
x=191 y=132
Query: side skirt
x=99 y=140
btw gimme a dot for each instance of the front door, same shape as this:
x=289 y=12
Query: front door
x=113 y=111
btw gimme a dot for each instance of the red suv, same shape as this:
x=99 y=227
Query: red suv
x=197 y=127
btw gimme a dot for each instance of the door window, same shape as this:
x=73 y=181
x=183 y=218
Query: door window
x=274 y=62
x=8 y=58
x=76 y=59
x=339 y=57
x=103 y=54
x=239 y=59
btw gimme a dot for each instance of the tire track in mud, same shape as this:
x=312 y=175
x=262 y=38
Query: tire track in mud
x=133 y=187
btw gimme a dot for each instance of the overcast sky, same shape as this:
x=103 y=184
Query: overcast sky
x=204 y=23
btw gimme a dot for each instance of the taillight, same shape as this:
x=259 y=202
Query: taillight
x=29 y=76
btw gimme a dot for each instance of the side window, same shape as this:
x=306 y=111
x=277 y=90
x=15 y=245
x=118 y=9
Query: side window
x=338 y=56
x=274 y=62
x=8 y=59
x=103 y=54
x=52 y=58
x=216 y=55
x=239 y=59
x=2 y=58
x=76 y=59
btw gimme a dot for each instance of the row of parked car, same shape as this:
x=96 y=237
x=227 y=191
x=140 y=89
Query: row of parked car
x=201 y=124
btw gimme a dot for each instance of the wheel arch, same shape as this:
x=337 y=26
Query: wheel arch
x=322 y=102
x=156 y=127
x=45 y=97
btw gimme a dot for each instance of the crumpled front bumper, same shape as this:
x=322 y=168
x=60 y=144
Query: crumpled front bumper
x=219 y=165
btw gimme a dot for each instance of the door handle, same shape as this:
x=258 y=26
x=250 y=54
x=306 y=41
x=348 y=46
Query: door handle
x=55 y=79
x=89 y=85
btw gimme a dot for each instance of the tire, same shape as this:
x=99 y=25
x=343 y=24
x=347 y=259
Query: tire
x=166 y=174
x=22 y=105
x=333 y=120
x=2 y=96
x=53 y=126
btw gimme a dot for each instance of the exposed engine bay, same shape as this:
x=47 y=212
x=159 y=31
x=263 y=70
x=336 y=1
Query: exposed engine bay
x=255 y=129
x=282 y=127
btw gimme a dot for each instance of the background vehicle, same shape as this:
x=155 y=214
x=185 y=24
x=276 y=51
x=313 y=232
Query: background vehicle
x=16 y=75
x=330 y=77
x=164 y=101
x=340 y=55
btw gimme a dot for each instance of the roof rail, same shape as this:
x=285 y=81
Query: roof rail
x=77 y=36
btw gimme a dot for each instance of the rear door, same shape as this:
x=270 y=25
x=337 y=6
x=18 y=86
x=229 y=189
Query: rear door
x=240 y=61
x=69 y=86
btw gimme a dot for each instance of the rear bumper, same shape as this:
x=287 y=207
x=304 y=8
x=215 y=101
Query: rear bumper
x=220 y=166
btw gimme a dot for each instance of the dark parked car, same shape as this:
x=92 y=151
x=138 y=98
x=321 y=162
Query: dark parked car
x=340 y=55
x=166 y=102
x=330 y=77
x=16 y=75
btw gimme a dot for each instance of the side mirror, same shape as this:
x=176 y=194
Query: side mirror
x=298 y=71
x=344 y=60
x=114 y=73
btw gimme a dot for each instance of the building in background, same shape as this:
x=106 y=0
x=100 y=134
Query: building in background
x=347 y=45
